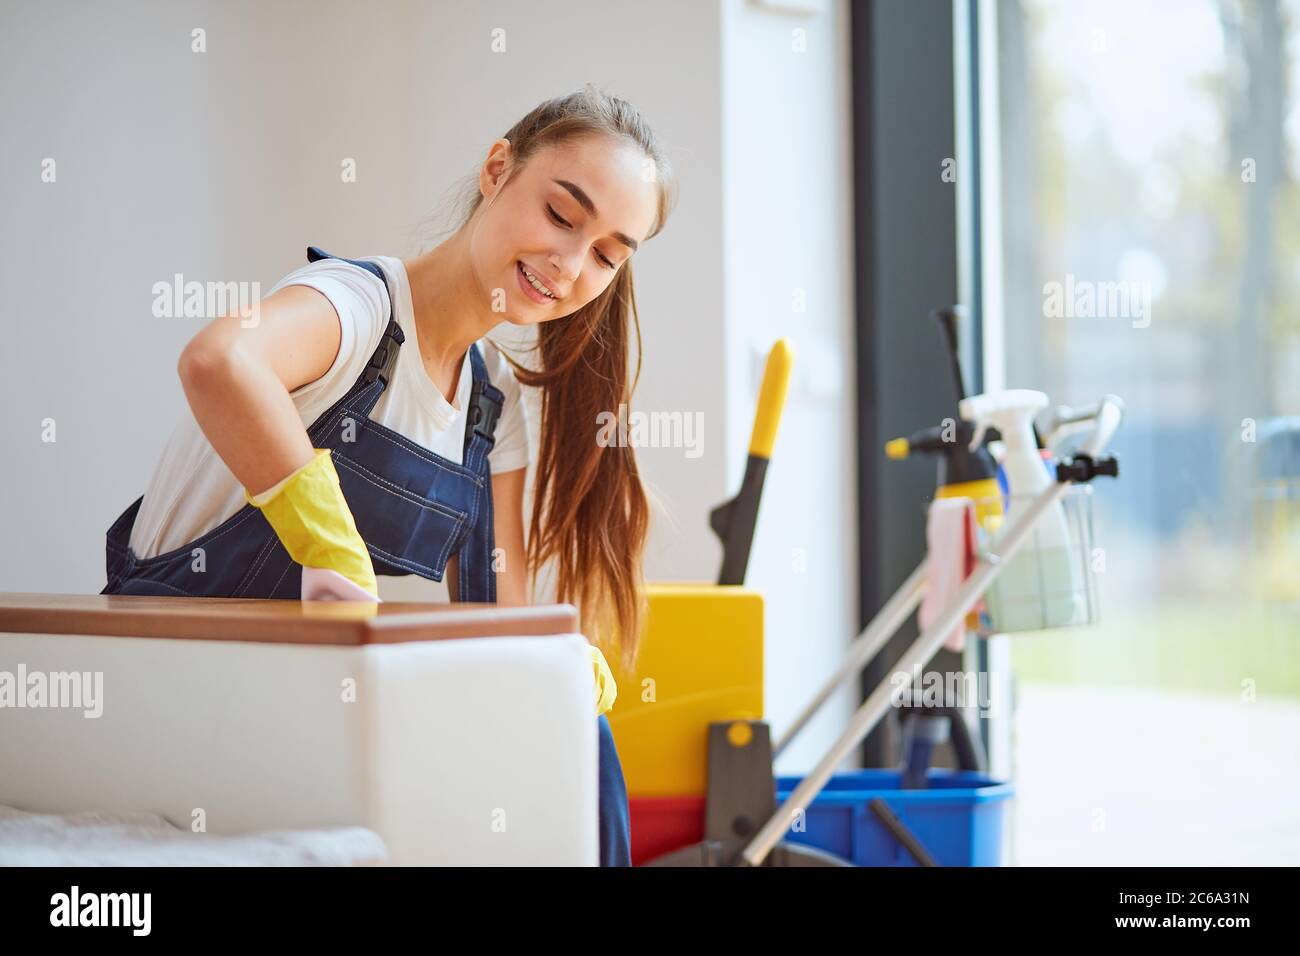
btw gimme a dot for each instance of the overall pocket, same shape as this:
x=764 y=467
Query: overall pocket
x=405 y=532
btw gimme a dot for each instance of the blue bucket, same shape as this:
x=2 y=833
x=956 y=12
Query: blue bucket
x=959 y=818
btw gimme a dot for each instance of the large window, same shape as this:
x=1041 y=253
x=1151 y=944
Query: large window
x=1150 y=247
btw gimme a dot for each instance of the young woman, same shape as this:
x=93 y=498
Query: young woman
x=363 y=425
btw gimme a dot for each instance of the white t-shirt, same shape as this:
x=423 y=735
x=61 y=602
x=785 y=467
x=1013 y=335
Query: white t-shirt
x=192 y=491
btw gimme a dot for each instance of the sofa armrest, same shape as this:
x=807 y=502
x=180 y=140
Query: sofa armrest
x=461 y=734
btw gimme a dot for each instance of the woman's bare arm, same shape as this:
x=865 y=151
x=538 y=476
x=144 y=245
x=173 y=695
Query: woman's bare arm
x=237 y=381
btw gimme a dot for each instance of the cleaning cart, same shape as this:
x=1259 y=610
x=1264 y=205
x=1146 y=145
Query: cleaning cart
x=743 y=823
x=697 y=754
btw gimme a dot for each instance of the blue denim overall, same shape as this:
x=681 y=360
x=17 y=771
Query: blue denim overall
x=413 y=508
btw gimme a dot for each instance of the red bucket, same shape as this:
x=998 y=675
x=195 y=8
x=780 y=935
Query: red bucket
x=663 y=824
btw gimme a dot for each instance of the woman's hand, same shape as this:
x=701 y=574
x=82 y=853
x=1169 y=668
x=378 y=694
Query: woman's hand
x=312 y=519
x=605 y=690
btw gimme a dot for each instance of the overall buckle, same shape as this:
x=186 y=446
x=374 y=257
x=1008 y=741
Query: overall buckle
x=484 y=411
x=381 y=362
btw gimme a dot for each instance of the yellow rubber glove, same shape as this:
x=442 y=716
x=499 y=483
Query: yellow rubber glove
x=314 y=523
x=606 y=691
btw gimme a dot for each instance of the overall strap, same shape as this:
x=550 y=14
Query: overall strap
x=485 y=403
x=477 y=581
x=380 y=366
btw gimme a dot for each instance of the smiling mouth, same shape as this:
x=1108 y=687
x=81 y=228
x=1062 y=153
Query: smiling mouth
x=534 y=286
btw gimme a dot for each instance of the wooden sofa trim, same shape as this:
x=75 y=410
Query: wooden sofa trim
x=344 y=623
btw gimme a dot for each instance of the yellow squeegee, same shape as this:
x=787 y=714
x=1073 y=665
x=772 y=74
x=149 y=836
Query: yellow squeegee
x=733 y=521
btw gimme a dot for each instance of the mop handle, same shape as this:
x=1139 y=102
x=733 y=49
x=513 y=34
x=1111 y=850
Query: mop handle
x=864 y=648
x=1066 y=420
x=1110 y=412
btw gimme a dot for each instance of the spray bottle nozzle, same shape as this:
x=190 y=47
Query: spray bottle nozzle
x=940 y=438
x=1012 y=411
x=897 y=449
x=982 y=435
x=959 y=462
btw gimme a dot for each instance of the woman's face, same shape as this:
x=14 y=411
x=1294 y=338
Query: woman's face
x=570 y=219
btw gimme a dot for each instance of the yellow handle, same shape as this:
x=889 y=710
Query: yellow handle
x=771 y=398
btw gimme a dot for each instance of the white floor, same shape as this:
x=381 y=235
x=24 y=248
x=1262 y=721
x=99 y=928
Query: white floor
x=1131 y=776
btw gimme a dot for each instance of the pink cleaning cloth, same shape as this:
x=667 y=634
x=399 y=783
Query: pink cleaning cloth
x=950 y=540
x=321 y=584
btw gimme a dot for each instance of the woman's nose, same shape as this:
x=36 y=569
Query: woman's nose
x=567 y=266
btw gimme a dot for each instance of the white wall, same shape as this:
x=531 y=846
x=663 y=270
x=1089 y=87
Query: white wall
x=225 y=165
x=221 y=166
x=788 y=228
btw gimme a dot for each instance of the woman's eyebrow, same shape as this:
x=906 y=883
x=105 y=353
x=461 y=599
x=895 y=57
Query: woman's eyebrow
x=578 y=193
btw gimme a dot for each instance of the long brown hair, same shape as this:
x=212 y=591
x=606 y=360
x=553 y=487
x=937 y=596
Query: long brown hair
x=590 y=511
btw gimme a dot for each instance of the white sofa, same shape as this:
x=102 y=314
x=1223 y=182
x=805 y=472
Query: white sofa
x=461 y=734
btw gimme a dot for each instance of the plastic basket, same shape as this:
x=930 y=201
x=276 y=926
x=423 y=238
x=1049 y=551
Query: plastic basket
x=959 y=818
x=1051 y=581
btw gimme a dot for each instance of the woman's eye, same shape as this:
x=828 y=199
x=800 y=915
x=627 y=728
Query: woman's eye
x=599 y=255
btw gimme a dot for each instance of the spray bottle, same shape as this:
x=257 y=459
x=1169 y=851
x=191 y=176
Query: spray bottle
x=966 y=469
x=1039 y=587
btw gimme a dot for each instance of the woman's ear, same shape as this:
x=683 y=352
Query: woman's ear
x=496 y=168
